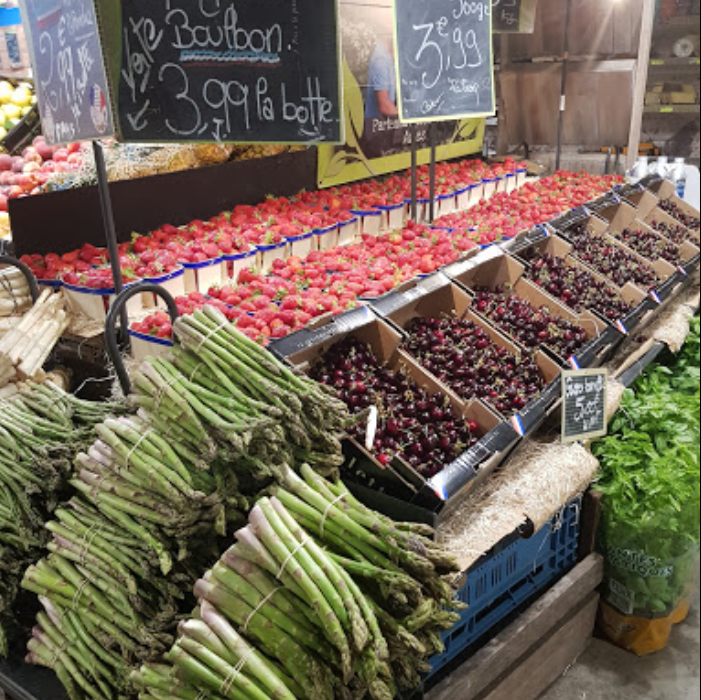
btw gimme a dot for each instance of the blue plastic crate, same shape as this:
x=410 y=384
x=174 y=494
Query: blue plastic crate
x=499 y=585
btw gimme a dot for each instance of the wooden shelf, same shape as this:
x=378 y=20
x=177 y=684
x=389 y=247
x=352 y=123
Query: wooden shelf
x=682 y=21
x=672 y=109
x=674 y=62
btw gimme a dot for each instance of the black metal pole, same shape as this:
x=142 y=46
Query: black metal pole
x=563 y=84
x=110 y=233
x=414 y=176
x=432 y=174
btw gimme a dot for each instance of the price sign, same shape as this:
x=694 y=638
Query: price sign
x=69 y=71
x=229 y=70
x=445 y=64
x=513 y=16
x=583 y=404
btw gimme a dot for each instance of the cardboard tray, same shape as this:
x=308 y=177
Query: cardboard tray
x=442 y=298
x=641 y=303
x=598 y=227
x=505 y=270
x=399 y=479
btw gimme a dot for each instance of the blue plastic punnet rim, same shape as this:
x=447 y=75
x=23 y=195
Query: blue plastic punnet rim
x=150 y=338
x=240 y=256
x=369 y=212
x=167 y=277
x=203 y=264
x=50 y=283
x=271 y=246
x=96 y=292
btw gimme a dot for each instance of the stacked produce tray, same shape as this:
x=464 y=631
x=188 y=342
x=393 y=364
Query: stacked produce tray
x=502 y=581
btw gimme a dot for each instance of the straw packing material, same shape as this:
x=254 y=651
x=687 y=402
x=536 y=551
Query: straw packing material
x=539 y=480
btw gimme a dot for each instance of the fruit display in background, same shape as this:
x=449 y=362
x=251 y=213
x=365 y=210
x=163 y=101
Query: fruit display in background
x=532 y=327
x=422 y=428
x=613 y=262
x=461 y=354
x=15 y=103
x=574 y=286
x=27 y=173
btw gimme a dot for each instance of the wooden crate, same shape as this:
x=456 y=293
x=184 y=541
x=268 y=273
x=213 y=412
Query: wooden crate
x=526 y=658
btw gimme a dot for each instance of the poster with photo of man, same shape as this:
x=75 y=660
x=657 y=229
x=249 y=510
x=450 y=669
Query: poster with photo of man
x=376 y=141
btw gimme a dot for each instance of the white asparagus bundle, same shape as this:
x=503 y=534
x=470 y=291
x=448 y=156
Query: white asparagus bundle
x=14 y=292
x=7 y=370
x=30 y=342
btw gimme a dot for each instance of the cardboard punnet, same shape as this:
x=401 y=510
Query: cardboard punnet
x=503 y=270
x=398 y=477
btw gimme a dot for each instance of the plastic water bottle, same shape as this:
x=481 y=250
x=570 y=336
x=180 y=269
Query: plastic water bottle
x=639 y=170
x=663 y=169
x=679 y=176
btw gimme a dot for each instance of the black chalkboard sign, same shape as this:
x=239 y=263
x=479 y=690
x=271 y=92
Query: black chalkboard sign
x=225 y=70
x=444 y=59
x=583 y=404
x=70 y=81
x=513 y=16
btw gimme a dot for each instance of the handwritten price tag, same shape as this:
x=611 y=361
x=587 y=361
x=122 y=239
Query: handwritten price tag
x=70 y=74
x=583 y=404
x=444 y=59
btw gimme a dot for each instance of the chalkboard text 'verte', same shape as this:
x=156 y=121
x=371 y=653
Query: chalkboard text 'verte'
x=230 y=70
x=444 y=58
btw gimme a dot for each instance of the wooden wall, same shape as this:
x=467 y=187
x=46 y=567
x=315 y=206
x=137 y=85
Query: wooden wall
x=603 y=41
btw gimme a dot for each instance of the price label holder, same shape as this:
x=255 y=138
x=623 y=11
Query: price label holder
x=583 y=404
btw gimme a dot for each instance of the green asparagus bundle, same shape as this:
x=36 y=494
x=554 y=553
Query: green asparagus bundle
x=223 y=394
x=320 y=598
x=123 y=553
x=215 y=424
x=40 y=428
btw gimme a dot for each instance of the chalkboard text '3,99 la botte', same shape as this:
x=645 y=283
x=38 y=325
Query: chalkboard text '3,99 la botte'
x=230 y=70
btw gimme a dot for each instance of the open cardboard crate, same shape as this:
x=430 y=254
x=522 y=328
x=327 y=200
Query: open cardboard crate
x=628 y=217
x=664 y=189
x=437 y=296
x=398 y=479
x=598 y=227
x=503 y=270
x=642 y=305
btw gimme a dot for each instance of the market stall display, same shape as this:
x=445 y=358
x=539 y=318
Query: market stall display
x=219 y=420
